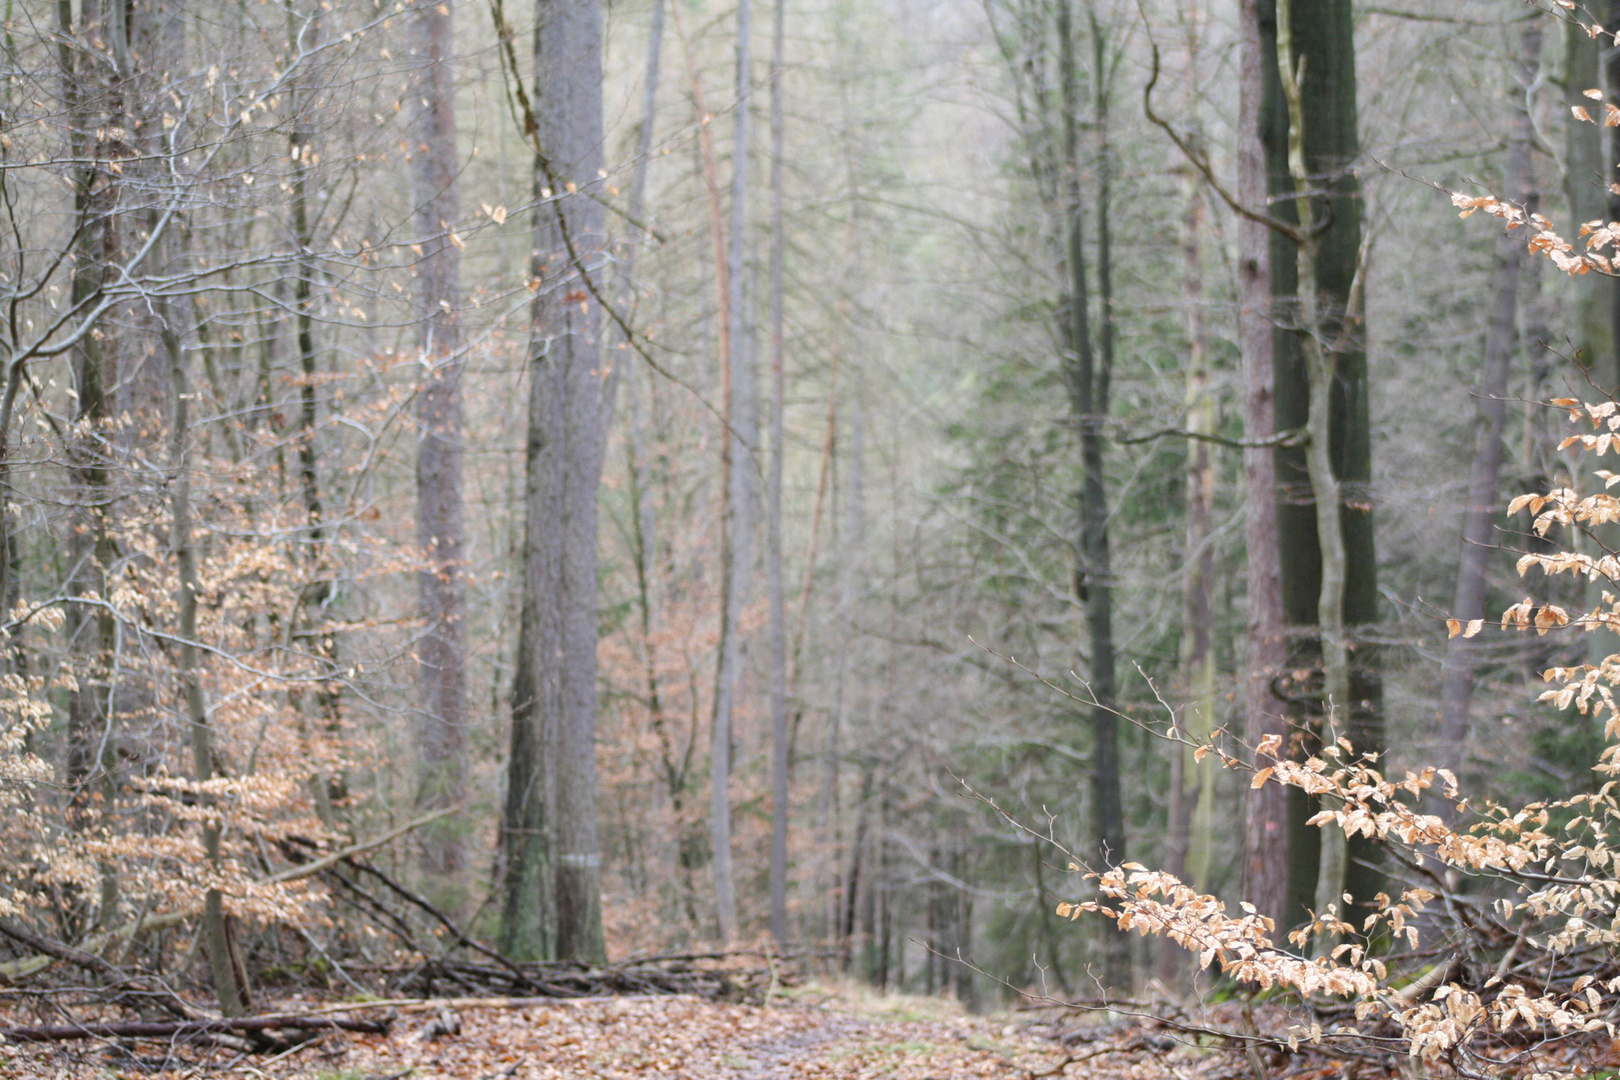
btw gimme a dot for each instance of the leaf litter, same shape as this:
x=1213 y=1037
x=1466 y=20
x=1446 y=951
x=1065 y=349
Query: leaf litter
x=825 y=1035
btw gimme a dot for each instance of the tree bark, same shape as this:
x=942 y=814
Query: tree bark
x=222 y=965
x=94 y=93
x=569 y=90
x=1325 y=493
x=1323 y=40
x=774 y=587
x=552 y=889
x=1265 y=817
x=442 y=651
x=1192 y=795
x=1463 y=659
x=1088 y=397
x=737 y=520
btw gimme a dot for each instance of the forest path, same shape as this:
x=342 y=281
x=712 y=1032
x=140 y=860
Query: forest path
x=819 y=1033
x=813 y=1033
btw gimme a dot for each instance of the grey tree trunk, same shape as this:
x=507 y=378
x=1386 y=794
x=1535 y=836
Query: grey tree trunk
x=569 y=92
x=1490 y=417
x=229 y=987
x=738 y=464
x=552 y=890
x=778 y=615
x=1265 y=832
x=442 y=651
x=306 y=98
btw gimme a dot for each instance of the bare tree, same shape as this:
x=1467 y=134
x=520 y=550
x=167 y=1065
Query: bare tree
x=740 y=442
x=1265 y=846
x=440 y=531
x=773 y=543
x=553 y=866
x=1490 y=419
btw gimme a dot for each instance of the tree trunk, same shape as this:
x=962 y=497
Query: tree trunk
x=773 y=543
x=1323 y=41
x=1088 y=398
x=94 y=95
x=567 y=342
x=318 y=588
x=737 y=521
x=222 y=964
x=442 y=651
x=1490 y=417
x=1265 y=818
x=1192 y=797
x=552 y=889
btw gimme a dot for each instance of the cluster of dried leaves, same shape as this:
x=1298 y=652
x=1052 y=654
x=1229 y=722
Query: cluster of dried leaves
x=1533 y=883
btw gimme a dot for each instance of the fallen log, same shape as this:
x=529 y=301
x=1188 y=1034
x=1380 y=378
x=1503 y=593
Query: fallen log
x=179 y=1029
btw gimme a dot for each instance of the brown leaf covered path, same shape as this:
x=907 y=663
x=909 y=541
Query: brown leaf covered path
x=820 y=1036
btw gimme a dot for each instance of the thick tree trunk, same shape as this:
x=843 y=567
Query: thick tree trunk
x=1490 y=417
x=1323 y=40
x=553 y=866
x=442 y=651
x=569 y=67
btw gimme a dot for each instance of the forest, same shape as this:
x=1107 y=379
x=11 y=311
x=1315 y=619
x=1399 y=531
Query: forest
x=506 y=501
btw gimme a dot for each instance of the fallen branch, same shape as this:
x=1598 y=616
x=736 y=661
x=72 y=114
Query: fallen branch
x=157 y=1029
x=47 y=951
x=57 y=950
x=325 y=862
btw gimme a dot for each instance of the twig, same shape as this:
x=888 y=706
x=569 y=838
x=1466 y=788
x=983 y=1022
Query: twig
x=154 y=1029
x=326 y=862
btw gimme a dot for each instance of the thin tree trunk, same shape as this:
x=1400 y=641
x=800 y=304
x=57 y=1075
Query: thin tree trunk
x=94 y=95
x=440 y=531
x=318 y=588
x=222 y=965
x=1490 y=418
x=644 y=532
x=1192 y=796
x=778 y=628
x=737 y=520
x=1088 y=393
x=1265 y=834
x=843 y=694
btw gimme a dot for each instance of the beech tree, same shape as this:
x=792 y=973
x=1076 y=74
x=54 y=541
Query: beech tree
x=553 y=864
x=435 y=165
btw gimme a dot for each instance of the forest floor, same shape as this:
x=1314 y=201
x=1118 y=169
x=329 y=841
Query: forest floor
x=815 y=1032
